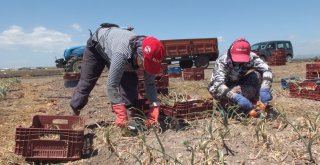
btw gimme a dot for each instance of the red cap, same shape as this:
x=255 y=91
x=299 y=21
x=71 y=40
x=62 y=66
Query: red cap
x=240 y=50
x=153 y=53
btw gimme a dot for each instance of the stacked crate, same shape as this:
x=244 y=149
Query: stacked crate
x=193 y=74
x=71 y=79
x=278 y=57
x=313 y=71
x=189 y=110
x=161 y=82
x=306 y=90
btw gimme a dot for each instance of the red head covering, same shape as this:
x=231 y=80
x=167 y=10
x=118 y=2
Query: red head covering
x=240 y=50
x=153 y=53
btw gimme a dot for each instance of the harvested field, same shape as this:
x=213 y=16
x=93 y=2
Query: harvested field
x=292 y=137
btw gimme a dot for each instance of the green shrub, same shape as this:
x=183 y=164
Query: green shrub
x=8 y=84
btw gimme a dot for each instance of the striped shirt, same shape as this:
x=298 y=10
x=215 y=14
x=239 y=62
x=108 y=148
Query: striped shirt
x=116 y=44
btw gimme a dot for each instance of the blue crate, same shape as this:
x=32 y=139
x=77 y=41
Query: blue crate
x=174 y=70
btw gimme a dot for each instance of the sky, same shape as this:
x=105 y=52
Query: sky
x=33 y=33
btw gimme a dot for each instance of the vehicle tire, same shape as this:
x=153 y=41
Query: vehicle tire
x=186 y=64
x=202 y=62
x=289 y=58
x=74 y=65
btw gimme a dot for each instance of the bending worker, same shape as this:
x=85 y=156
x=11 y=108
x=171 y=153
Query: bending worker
x=241 y=77
x=123 y=52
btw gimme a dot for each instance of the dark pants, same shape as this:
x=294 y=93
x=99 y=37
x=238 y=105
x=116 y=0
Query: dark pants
x=91 y=69
x=248 y=86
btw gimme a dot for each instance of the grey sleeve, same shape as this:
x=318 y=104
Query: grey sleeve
x=150 y=87
x=115 y=73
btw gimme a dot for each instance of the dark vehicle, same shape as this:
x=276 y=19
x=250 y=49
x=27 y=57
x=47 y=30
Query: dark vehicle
x=265 y=49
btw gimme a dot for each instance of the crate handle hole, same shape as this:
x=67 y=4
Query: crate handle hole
x=59 y=121
x=55 y=137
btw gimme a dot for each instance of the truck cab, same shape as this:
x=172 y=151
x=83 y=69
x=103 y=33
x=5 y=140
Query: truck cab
x=267 y=48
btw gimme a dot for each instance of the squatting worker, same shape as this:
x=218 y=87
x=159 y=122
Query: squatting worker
x=122 y=51
x=240 y=77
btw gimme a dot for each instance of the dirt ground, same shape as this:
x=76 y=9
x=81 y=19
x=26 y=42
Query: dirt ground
x=291 y=137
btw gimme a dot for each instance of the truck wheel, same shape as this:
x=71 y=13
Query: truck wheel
x=202 y=62
x=74 y=65
x=186 y=64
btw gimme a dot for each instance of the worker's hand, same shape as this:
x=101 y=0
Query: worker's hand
x=265 y=95
x=243 y=102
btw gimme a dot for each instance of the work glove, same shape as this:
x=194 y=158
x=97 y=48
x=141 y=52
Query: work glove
x=121 y=114
x=265 y=95
x=153 y=116
x=243 y=102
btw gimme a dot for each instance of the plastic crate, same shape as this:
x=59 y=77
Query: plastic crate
x=286 y=81
x=162 y=84
x=51 y=138
x=308 y=89
x=189 y=110
x=193 y=74
x=71 y=79
x=312 y=75
x=277 y=58
x=163 y=71
x=142 y=93
x=174 y=72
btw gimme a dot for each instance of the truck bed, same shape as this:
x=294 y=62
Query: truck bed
x=191 y=47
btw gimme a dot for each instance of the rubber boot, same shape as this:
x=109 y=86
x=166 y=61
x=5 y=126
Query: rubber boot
x=153 y=116
x=121 y=114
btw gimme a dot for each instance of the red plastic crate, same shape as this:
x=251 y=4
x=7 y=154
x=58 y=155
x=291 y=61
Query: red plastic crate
x=312 y=75
x=306 y=90
x=51 y=138
x=71 y=79
x=189 y=110
x=163 y=91
x=313 y=66
x=163 y=71
x=277 y=58
x=175 y=75
x=193 y=74
x=71 y=76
